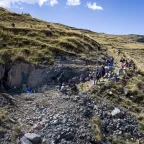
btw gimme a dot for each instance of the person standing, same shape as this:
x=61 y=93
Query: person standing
x=102 y=71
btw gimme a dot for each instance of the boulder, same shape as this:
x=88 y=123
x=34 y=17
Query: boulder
x=115 y=111
x=24 y=140
x=34 y=138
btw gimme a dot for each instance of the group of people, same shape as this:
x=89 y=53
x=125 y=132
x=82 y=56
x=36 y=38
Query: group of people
x=127 y=64
x=67 y=85
x=106 y=71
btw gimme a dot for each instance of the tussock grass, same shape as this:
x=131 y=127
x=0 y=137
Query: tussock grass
x=96 y=125
x=34 y=34
x=136 y=88
x=38 y=42
x=3 y=116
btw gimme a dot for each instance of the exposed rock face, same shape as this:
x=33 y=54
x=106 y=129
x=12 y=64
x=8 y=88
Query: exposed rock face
x=2 y=71
x=19 y=74
x=23 y=73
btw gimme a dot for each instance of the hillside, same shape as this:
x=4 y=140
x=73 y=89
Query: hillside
x=131 y=45
x=35 y=53
x=39 y=42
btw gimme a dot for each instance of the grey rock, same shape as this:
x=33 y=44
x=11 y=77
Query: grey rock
x=54 y=122
x=64 y=120
x=24 y=140
x=34 y=138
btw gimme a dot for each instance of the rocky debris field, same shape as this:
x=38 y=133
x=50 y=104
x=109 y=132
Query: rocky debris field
x=54 y=118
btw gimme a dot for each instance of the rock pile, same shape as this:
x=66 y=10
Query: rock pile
x=70 y=122
x=53 y=118
x=71 y=125
x=116 y=124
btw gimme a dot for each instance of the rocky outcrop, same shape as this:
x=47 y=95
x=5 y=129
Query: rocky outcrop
x=24 y=73
x=19 y=74
x=41 y=76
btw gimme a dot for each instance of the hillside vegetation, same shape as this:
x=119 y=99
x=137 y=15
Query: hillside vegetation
x=39 y=42
x=131 y=45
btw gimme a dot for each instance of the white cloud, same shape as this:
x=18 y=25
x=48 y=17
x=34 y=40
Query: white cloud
x=53 y=2
x=10 y=3
x=41 y=2
x=94 y=6
x=73 y=2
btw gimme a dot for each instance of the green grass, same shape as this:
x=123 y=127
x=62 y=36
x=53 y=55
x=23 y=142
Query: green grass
x=32 y=37
x=96 y=126
x=3 y=116
x=141 y=119
x=38 y=42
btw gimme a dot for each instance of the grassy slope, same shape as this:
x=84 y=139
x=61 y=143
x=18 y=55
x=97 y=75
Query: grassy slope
x=39 y=42
x=128 y=44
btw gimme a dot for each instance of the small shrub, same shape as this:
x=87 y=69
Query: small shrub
x=3 y=115
x=27 y=14
x=141 y=117
x=42 y=58
x=117 y=87
x=141 y=126
x=6 y=56
x=132 y=92
x=43 y=46
x=25 y=42
x=118 y=141
x=26 y=52
x=17 y=133
x=96 y=124
x=140 y=85
x=32 y=34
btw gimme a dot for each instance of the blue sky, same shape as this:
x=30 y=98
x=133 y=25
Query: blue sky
x=108 y=16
